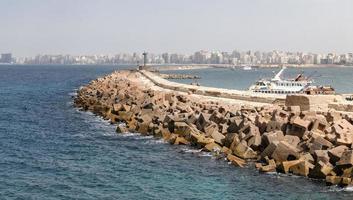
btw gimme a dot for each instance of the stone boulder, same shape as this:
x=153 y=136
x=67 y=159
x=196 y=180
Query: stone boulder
x=218 y=137
x=270 y=137
x=121 y=128
x=243 y=151
x=321 y=170
x=284 y=152
x=236 y=160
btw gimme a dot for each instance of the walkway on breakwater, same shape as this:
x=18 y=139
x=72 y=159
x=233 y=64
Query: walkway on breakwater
x=214 y=92
x=306 y=102
x=148 y=83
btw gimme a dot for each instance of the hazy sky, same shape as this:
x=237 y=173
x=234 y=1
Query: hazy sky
x=30 y=27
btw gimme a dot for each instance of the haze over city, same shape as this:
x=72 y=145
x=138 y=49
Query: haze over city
x=34 y=27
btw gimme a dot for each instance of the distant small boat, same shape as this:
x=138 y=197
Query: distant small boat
x=247 y=67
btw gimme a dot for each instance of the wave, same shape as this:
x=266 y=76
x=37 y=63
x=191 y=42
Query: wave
x=144 y=137
x=155 y=141
x=129 y=134
x=348 y=189
x=72 y=94
x=340 y=189
x=206 y=154
x=189 y=150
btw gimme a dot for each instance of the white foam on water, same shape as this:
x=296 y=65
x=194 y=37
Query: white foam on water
x=145 y=137
x=348 y=189
x=206 y=154
x=340 y=189
x=155 y=141
x=80 y=135
x=73 y=93
x=272 y=173
x=129 y=134
x=189 y=150
x=160 y=141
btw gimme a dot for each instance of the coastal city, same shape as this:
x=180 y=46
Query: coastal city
x=176 y=100
x=255 y=58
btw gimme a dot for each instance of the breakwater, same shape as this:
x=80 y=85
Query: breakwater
x=278 y=138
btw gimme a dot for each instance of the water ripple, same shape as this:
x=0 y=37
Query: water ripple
x=51 y=150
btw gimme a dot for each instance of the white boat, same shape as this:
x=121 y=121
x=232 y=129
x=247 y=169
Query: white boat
x=247 y=67
x=277 y=85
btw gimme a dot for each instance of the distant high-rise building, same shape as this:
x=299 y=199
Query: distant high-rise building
x=166 y=58
x=6 y=58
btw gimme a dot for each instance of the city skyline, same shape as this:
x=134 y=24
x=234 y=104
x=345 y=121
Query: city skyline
x=93 y=27
x=234 y=58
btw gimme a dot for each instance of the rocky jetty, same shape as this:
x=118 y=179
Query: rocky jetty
x=282 y=139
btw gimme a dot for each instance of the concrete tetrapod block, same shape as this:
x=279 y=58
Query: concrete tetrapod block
x=213 y=147
x=182 y=129
x=270 y=167
x=347 y=159
x=284 y=166
x=268 y=151
x=236 y=160
x=121 y=129
x=245 y=152
x=270 y=137
x=336 y=153
x=321 y=170
x=181 y=140
x=301 y=168
x=321 y=155
x=284 y=151
x=218 y=137
x=333 y=180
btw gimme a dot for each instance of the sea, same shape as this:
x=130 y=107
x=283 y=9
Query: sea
x=51 y=150
x=340 y=78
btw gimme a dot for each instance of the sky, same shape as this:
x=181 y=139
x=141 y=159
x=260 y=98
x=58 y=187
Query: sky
x=30 y=27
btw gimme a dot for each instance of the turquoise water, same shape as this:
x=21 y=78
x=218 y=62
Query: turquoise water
x=50 y=150
x=340 y=78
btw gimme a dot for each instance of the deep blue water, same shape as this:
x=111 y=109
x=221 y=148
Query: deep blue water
x=339 y=78
x=50 y=150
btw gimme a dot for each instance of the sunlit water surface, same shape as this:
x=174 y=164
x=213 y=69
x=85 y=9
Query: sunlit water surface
x=50 y=150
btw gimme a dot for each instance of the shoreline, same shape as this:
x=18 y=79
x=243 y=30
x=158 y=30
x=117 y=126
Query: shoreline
x=226 y=66
x=165 y=67
x=282 y=139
